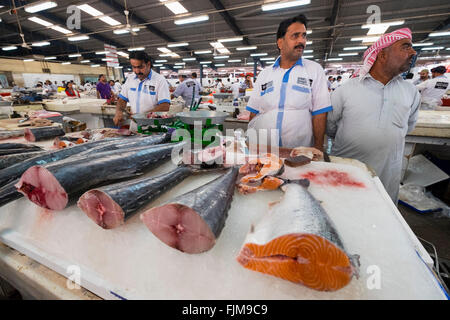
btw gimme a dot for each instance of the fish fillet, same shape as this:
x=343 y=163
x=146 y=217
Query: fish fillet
x=297 y=241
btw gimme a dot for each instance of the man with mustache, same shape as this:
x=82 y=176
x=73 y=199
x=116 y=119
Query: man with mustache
x=373 y=113
x=146 y=92
x=290 y=99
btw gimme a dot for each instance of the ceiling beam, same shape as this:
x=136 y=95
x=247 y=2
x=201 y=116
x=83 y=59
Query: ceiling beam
x=332 y=34
x=231 y=22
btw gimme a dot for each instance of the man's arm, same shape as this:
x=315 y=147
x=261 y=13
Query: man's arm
x=414 y=112
x=120 y=109
x=319 y=124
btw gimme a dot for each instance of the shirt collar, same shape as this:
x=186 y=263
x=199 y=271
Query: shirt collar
x=277 y=63
x=368 y=75
x=149 y=77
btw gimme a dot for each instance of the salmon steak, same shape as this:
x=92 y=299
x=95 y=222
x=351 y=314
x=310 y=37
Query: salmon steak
x=261 y=167
x=297 y=241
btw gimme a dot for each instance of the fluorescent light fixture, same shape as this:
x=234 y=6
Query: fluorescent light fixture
x=166 y=55
x=439 y=34
x=49 y=58
x=216 y=45
x=251 y=63
x=85 y=61
x=203 y=52
x=28 y=60
x=308 y=31
x=123 y=54
x=180 y=63
x=246 y=48
x=178 y=67
x=355 y=48
x=348 y=54
x=309 y=42
x=234 y=60
x=119 y=67
x=61 y=29
x=192 y=20
x=231 y=39
x=258 y=54
x=284 y=5
x=179 y=44
x=220 y=65
x=223 y=50
x=365 y=39
x=205 y=62
x=101 y=52
x=423 y=44
x=40 y=44
x=107 y=59
x=221 y=57
x=433 y=48
x=175 y=7
x=90 y=10
x=267 y=59
x=110 y=21
x=160 y=61
x=308 y=56
x=40 y=21
x=189 y=59
x=158 y=65
x=308 y=51
x=66 y=63
x=164 y=50
x=125 y=30
x=136 y=49
x=95 y=65
x=40 y=6
x=163 y=68
x=9 y=48
x=78 y=38
x=334 y=59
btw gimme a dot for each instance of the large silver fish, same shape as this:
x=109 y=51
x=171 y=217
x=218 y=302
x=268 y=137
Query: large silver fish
x=297 y=241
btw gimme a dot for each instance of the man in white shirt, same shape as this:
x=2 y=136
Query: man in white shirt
x=145 y=92
x=434 y=89
x=235 y=89
x=373 y=113
x=423 y=77
x=117 y=87
x=290 y=99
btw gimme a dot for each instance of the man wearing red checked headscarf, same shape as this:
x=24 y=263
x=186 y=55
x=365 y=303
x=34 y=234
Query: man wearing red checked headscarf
x=372 y=113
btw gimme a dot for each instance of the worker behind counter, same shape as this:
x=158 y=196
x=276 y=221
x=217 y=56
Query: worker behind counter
x=71 y=91
x=146 y=91
x=373 y=113
x=188 y=89
x=103 y=88
x=434 y=89
x=423 y=77
x=291 y=97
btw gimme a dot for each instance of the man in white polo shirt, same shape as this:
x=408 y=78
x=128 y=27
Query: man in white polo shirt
x=291 y=96
x=146 y=92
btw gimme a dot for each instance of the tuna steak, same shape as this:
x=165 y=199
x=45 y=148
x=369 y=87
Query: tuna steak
x=297 y=241
x=50 y=186
x=38 y=134
x=111 y=205
x=193 y=221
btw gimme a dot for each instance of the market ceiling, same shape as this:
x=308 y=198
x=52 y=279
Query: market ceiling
x=158 y=29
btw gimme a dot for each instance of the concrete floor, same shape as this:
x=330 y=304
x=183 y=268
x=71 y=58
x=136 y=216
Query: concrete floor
x=432 y=227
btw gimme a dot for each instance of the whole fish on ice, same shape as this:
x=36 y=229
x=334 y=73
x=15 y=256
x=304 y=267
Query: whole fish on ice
x=297 y=241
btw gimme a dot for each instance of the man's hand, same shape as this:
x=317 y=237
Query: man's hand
x=118 y=118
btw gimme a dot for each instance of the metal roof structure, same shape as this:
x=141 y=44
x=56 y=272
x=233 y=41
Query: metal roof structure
x=334 y=25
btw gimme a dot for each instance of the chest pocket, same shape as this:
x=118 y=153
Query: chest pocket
x=299 y=92
x=149 y=89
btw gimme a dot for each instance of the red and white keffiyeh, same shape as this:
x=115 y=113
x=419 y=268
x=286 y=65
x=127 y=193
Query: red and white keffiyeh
x=384 y=41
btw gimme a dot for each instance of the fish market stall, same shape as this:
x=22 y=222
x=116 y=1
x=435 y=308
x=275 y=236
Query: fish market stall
x=432 y=127
x=130 y=262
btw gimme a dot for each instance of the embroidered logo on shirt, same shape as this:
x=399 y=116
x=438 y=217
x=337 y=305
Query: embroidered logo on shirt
x=151 y=88
x=266 y=86
x=441 y=85
x=302 y=81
